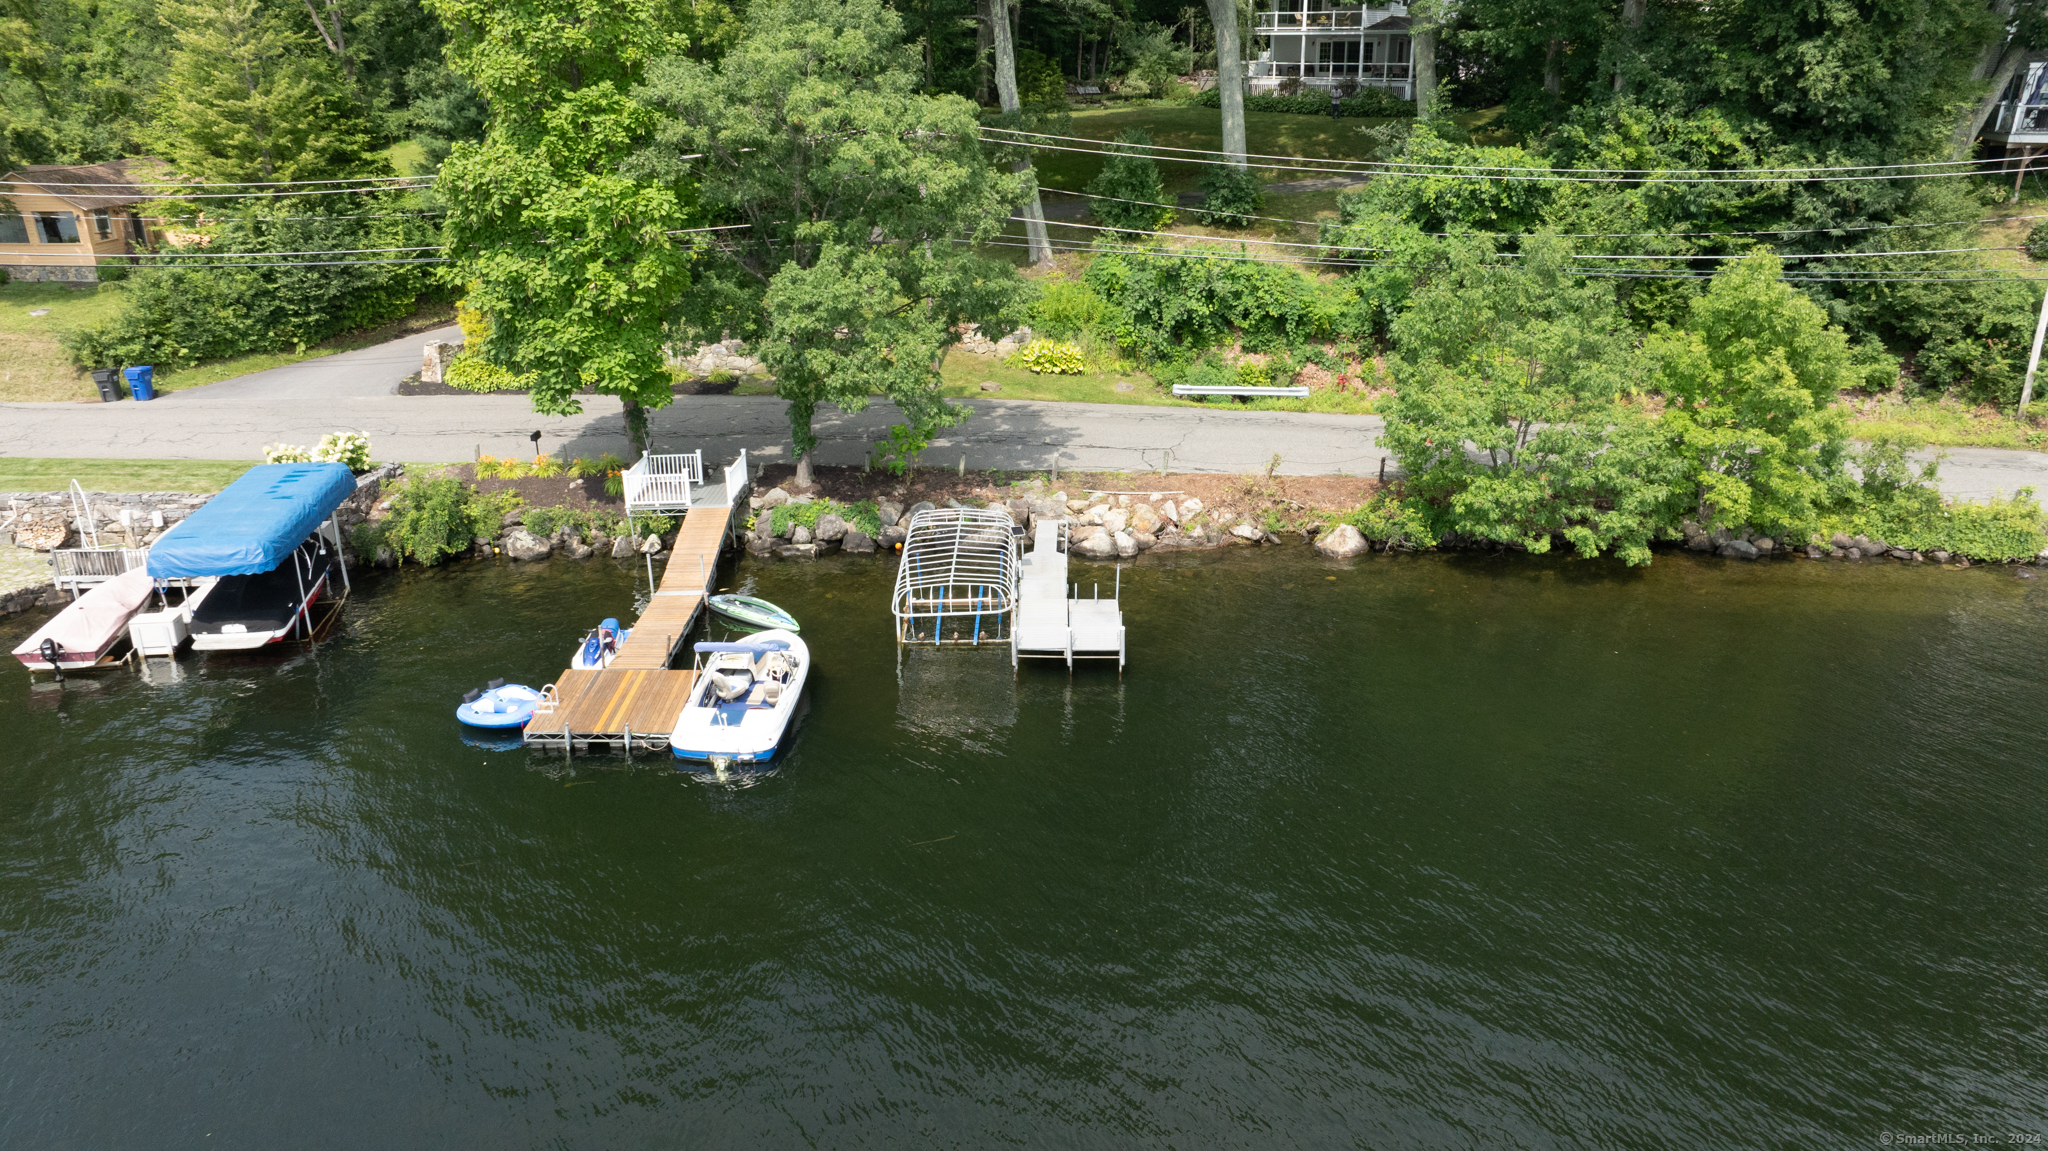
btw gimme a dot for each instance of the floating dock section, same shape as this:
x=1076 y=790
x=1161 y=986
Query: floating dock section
x=1050 y=625
x=633 y=704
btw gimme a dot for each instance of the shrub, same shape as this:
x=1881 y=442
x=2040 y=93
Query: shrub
x=898 y=453
x=1066 y=309
x=1136 y=198
x=472 y=373
x=1367 y=102
x=1166 y=307
x=433 y=519
x=178 y=316
x=861 y=517
x=586 y=521
x=1049 y=358
x=1395 y=521
x=545 y=467
x=286 y=454
x=1231 y=196
x=2037 y=242
x=351 y=448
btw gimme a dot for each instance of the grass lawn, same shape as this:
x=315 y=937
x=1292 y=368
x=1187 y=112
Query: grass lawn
x=1177 y=126
x=1945 y=424
x=32 y=365
x=963 y=374
x=429 y=316
x=34 y=368
x=40 y=475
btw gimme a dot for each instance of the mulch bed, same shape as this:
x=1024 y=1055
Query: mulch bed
x=1240 y=493
x=560 y=492
x=412 y=385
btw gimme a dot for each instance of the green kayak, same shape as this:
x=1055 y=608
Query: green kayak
x=759 y=612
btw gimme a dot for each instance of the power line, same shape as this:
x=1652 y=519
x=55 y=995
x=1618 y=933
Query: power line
x=183 y=184
x=1577 y=235
x=226 y=255
x=312 y=264
x=1446 y=173
x=1510 y=255
x=277 y=219
x=1961 y=276
x=1403 y=167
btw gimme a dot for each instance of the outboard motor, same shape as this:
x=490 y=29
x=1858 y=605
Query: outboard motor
x=50 y=653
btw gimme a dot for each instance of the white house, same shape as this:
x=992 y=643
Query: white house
x=1325 y=45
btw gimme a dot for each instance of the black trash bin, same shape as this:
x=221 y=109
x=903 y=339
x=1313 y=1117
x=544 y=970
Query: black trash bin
x=108 y=380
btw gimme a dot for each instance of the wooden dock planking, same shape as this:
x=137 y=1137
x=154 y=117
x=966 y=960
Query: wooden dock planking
x=614 y=701
x=691 y=571
x=639 y=692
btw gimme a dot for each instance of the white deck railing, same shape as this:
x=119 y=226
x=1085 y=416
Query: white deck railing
x=77 y=568
x=736 y=481
x=661 y=484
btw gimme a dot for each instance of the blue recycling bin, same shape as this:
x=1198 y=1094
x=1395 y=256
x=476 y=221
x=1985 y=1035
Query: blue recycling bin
x=139 y=384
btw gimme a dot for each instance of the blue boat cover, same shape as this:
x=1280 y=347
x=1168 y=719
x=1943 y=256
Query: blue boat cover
x=756 y=647
x=254 y=524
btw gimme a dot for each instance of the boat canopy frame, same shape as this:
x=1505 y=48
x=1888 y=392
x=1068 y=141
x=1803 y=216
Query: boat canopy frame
x=959 y=564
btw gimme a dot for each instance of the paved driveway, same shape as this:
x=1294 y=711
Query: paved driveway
x=299 y=403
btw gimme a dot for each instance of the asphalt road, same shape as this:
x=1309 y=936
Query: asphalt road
x=299 y=403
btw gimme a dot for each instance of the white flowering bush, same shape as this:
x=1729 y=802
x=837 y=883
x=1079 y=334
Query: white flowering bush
x=351 y=448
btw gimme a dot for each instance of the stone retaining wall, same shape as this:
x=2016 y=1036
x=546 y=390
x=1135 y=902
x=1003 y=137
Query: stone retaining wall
x=38 y=522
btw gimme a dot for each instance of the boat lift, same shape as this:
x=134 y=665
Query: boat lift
x=957 y=583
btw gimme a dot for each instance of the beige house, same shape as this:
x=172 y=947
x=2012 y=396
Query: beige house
x=63 y=220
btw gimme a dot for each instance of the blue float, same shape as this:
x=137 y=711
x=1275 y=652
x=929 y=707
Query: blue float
x=501 y=705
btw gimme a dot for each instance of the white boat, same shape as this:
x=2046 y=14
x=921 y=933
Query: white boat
x=274 y=551
x=89 y=629
x=250 y=611
x=744 y=701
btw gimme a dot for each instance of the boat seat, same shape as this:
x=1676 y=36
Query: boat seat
x=756 y=696
x=771 y=693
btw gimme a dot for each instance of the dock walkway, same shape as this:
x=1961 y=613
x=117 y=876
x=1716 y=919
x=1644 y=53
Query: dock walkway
x=633 y=704
x=1052 y=626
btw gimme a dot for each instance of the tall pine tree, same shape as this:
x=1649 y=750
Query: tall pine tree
x=248 y=97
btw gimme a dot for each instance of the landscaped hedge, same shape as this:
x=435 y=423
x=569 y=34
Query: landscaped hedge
x=1367 y=102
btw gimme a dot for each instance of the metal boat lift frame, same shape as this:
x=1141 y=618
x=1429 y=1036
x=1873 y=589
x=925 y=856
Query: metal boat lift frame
x=958 y=564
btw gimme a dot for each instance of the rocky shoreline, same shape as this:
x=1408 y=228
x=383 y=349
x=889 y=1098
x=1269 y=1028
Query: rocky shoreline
x=1107 y=525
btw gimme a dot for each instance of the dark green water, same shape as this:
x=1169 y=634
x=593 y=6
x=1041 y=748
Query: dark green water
x=1441 y=852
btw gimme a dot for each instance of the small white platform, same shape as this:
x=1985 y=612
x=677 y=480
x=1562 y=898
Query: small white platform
x=1052 y=626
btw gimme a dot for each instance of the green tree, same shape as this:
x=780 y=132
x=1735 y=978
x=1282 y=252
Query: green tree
x=856 y=195
x=571 y=258
x=1134 y=196
x=1510 y=414
x=249 y=98
x=1751 y=384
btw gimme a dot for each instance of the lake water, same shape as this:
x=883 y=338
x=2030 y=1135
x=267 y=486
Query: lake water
x=1440 y=852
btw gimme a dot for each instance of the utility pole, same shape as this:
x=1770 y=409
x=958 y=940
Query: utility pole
x=2034 y=359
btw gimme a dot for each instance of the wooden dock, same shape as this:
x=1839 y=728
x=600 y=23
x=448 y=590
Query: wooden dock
x=639 y=695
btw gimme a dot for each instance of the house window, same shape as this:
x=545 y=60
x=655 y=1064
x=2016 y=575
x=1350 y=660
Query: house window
x=136 y=231
x=13 y=228
x=1337 y=52
x=101 y=224
x=57 y=227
